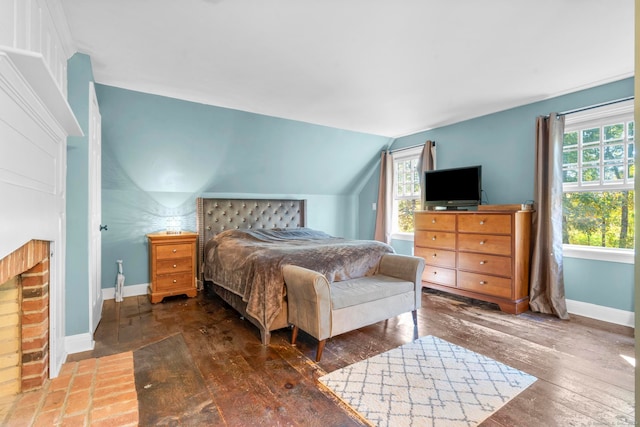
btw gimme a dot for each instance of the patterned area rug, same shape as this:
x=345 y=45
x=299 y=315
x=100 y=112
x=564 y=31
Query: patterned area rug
x=428 y=382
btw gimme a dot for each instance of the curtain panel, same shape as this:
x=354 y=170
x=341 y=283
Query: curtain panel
x=547 y=278
x=384 y=207
x=426 y=162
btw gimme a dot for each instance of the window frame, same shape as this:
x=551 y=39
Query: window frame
x=598 y=117
x=399 y=156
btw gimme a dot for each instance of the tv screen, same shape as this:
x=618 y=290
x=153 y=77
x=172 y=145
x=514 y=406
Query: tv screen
x=453 y=188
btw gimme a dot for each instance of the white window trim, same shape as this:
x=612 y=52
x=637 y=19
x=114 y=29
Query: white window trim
x=399 y=156
x=573 y=122
x=624 y=256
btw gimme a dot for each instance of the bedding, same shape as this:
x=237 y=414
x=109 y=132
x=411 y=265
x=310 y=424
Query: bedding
x=248 y=263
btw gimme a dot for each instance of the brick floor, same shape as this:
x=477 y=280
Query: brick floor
x=92 y=392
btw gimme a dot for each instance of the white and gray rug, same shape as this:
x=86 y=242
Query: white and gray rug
x=428 y=382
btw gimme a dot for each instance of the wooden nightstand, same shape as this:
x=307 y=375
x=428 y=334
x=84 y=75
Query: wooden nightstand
x=172 y=264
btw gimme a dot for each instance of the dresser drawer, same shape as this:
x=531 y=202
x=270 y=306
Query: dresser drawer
x=435 y=221
x=168 y=266
x=178 y=250
x=485 y=243
x=483 y=263
x=437 y=257
x=436 y=239
x=442 y=276
x=483 y=283
x=484 y=223
x=174 y=281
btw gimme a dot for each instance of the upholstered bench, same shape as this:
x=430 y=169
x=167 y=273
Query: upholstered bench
x=324 y=309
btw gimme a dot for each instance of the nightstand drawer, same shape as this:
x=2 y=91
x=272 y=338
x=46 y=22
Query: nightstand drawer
x=490 y=285
x=168 y=266
x=432 y=221
x=485 y=243
x=438 y=257
x=442 y=276
x=174 y=281
x=436 y=239
x=484 y=223
x=178 y=250
x=482 y=263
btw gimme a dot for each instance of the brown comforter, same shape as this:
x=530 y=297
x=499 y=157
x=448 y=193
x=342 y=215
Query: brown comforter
x=248 y=263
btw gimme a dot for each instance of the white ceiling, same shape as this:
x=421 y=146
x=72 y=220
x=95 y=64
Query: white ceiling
x=391 y=67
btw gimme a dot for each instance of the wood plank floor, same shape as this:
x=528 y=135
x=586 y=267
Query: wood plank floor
x=584 y=377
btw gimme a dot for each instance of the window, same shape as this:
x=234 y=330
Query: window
x=406 y=189
x=598 y=172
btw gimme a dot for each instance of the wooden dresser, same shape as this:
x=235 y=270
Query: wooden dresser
x=480 y=254
x=172 y=264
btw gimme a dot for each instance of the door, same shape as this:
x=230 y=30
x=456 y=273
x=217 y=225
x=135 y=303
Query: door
x=95 y=210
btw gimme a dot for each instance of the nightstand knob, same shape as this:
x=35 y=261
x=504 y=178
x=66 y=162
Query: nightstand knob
x=433 y=238
x=482 y=282
x=434 y=255
x=482 y=222
x=175 y=281
x=435 y=273
x=482 y=262
x=433 y=221
x=482 y=242
x=174 y=265
x=174 y=251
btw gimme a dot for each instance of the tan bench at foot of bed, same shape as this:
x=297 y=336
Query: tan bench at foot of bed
x=324 y=309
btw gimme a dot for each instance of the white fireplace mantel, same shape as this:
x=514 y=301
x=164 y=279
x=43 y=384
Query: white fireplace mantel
x=35 y=120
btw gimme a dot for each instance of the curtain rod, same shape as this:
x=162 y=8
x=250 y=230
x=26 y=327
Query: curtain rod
x=433 y=143
x=591 y=107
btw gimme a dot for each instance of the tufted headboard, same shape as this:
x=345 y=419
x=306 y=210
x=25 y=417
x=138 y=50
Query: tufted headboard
x=216 y=215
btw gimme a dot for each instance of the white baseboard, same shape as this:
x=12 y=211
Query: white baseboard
x=129 y=291
x=599 y=312
x=78 y=343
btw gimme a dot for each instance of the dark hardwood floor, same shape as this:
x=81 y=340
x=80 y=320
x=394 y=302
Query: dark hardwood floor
x=584 y=378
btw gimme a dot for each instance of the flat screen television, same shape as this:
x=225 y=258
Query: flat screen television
x=453 y=188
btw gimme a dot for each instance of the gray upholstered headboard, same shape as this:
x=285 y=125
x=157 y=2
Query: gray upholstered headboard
x=216 y=215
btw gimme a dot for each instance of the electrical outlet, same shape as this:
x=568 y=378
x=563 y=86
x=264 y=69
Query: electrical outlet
x=373 y=206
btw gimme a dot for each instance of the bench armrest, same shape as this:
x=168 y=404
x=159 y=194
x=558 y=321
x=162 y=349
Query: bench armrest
x=404 y=267
x=309 y=296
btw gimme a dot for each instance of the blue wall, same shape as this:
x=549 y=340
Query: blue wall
x=503 y=143
x=160 y=153
x=79 y=74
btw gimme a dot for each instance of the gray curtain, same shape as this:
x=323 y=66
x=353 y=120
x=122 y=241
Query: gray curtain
x=547 y=280
x=384 y=208
x=427 y=162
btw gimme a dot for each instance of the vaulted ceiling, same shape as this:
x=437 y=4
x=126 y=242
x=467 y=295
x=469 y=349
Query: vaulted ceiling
x=389 y=68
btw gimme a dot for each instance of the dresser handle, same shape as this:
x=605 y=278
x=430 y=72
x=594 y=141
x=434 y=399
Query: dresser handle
x=175 y=281
x=434 y=255
x=435 y=273
x=482 y=242
x=482 y=282
x=433 y=221
x=174 y=265
x=174 y=251
x=433 y=238
x=481 y=263
x=482 y=222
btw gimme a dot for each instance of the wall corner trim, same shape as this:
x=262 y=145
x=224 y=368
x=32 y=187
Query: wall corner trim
x=78 y=343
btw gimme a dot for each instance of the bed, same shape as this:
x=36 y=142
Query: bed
x=243 y=244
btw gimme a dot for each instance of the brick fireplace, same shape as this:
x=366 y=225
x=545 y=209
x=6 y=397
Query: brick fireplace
x=24 y=318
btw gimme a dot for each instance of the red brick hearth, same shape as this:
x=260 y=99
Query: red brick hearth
x=24 y=318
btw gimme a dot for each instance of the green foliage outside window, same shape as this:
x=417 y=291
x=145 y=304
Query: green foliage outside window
x=601 y=219
x=406 y=208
